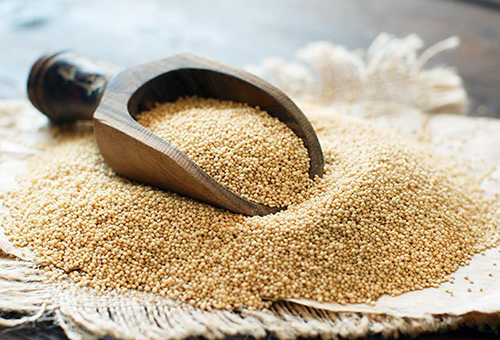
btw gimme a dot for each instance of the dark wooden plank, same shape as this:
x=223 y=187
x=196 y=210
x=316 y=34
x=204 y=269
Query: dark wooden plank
x=237 y=32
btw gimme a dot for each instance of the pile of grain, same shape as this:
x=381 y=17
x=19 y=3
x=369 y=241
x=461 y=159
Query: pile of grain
x=243 y=148
x=386 y=218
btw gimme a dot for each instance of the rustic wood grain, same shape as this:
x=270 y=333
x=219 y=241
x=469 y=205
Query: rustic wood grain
x=245 y=32
x=62 y=80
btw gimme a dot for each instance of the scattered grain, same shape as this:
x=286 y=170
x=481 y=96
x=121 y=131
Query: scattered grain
x=243 y=148
x=386 y=218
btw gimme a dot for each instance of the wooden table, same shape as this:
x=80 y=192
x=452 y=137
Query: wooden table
x=127 y=32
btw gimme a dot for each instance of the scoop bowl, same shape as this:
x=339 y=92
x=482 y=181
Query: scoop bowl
x=66 y=87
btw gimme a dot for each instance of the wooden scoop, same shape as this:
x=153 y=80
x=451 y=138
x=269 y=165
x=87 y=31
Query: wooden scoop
x=66 y=87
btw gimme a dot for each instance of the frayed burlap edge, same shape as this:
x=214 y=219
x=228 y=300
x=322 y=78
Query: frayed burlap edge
x=322 y=74
x=391 y=70
x=84 y=315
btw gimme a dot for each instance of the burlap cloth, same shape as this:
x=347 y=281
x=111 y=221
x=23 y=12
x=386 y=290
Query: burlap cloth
x=385 y=84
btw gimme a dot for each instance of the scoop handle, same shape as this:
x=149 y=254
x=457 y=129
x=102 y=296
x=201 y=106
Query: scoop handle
x=66 y=86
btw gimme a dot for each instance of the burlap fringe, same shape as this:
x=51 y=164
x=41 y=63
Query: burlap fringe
x=390 y=70
x=83 y=315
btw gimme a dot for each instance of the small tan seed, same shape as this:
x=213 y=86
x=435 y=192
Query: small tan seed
x=388 y=217
x=243 y=148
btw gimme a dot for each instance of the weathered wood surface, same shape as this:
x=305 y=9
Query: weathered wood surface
x=243 y=32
